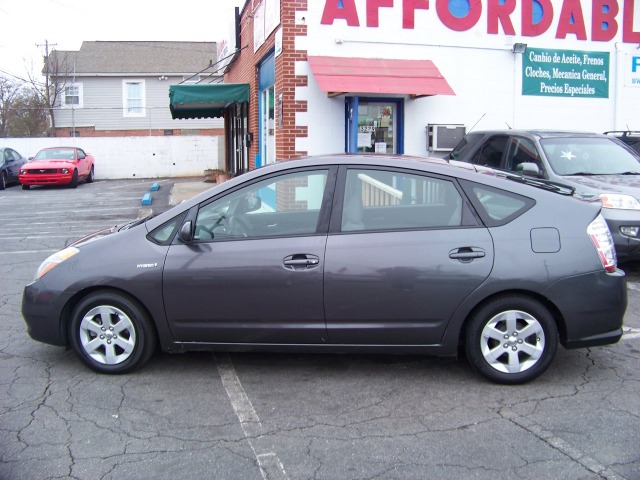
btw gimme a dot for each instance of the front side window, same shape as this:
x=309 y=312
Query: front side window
x=389 y=200
x=521 y=150
x=134 y=98
x=285 y=205
x=72 y=95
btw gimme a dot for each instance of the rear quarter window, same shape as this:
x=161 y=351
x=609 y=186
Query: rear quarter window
x=496 y=207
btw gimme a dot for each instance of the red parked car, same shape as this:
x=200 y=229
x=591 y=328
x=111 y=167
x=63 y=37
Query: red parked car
x=57 y=166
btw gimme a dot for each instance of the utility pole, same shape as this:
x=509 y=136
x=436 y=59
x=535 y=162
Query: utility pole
x=47 y=85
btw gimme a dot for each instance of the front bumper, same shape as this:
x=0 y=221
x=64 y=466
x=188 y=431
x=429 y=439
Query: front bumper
x=42 y=310
x=46 y=179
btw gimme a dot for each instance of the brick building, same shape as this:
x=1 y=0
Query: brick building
x=412 y=77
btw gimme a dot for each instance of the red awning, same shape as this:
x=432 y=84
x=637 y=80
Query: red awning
x=338 y=75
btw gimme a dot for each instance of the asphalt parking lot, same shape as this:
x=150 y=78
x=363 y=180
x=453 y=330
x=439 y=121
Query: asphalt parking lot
x=296 y=416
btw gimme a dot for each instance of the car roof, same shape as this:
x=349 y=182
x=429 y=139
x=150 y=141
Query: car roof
x=540 y=133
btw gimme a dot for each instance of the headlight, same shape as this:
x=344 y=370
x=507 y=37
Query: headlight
x=623 y=202
x=23 y=172
x=54 y=260
x=64 y=170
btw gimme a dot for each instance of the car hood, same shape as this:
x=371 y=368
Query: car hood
x=596 y=184
x=92 y=237
x=49 y=164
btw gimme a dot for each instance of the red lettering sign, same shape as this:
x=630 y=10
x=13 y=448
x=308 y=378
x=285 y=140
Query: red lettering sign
x=372 y=10
x=530 y=29
x=455 y=23
x=571 y=20
x=409 y=11
x=497 y=12
x=628 y=35
x=604 y=25
x=348 y=12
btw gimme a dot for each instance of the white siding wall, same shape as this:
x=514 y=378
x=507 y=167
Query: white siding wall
x=103 y=107
x=138 y=157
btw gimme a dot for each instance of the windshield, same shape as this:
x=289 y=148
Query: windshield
x=589 y=156
x=56 y=154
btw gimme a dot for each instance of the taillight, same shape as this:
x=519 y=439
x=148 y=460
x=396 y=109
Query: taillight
x=603 y=241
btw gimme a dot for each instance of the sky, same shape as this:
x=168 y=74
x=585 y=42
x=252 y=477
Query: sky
x=64 y=24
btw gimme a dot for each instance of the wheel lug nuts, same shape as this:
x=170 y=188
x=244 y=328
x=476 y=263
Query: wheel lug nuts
x=506 y=345
x=514 y=348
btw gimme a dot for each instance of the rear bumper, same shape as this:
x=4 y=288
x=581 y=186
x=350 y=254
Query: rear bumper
x=593 y=307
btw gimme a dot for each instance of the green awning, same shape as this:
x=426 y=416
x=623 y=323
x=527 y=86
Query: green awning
x=205 y=101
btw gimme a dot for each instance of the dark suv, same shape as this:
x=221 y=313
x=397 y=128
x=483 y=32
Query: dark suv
x=630 y=138
x=597 y=166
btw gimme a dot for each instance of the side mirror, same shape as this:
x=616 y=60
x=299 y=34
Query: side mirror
x=529 y=169
x=186 y=232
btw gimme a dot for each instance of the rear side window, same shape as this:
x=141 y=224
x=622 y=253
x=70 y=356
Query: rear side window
x=496 y=207
x=490 y=154
x=379 y=200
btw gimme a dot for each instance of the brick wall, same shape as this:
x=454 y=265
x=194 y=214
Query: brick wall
x=245 y=70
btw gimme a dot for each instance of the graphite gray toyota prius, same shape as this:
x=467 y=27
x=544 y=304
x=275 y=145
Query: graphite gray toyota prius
x=344 y=254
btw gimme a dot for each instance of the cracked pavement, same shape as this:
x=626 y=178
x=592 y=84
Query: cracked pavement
x=297 y=416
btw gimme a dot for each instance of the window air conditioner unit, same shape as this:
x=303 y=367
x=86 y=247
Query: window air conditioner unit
x=442 y=138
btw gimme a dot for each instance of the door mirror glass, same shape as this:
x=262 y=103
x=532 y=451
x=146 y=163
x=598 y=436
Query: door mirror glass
x=185 y=233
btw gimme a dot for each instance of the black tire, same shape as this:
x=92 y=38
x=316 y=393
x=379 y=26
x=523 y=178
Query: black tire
x=74 y=180
x=3 y=180
x=26 y=187
x=511 y=339
x=90 y=177
x=124 y=345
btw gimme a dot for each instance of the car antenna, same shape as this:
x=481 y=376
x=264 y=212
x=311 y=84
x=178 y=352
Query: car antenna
x=507 y=125
x=474 y=125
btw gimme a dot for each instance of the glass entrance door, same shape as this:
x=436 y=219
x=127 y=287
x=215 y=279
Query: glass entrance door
x=373 y=125
x=376 y=132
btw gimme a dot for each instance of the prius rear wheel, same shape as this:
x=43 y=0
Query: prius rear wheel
x=512 y=339
x=112 y=333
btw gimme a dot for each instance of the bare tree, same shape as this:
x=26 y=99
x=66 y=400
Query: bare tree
x=9 y=90
x=57 y=72
x=29 y=116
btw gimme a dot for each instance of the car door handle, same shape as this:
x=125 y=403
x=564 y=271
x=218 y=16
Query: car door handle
x=301 y=262
x=466 y=254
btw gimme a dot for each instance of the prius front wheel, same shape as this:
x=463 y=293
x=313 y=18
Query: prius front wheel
x=112 y=333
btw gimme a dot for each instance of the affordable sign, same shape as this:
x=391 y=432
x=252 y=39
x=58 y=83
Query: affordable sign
x=565 y=73
x=596 y=20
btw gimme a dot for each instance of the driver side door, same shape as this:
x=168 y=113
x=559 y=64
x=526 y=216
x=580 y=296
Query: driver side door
x=253 y=272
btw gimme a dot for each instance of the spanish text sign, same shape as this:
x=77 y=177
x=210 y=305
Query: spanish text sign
x=565 y=73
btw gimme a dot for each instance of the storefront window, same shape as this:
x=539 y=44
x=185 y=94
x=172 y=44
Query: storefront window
x=375 y=128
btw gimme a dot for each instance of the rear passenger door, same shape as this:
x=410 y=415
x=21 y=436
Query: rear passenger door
x=404 y=250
